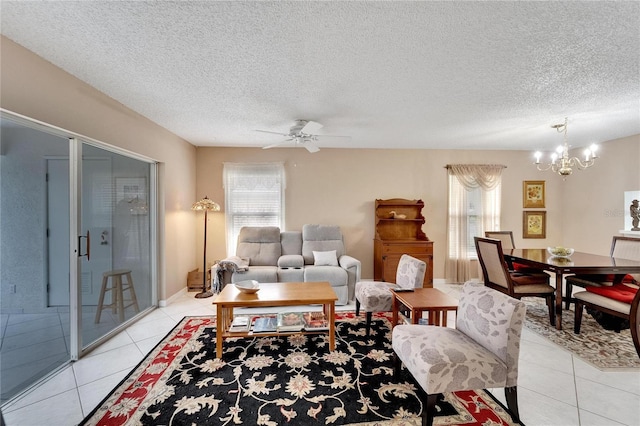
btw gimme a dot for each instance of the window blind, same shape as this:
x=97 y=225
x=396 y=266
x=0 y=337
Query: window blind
x=254 y=196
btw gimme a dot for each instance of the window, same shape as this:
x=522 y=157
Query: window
x=474 y=207
x=254 y=196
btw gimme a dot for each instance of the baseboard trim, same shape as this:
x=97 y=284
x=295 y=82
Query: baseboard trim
x=165 y=302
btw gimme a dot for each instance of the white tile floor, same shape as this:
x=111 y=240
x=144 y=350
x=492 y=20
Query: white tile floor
x=555 y=388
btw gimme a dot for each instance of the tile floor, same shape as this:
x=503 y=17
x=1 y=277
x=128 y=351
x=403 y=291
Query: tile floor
x=555 y=388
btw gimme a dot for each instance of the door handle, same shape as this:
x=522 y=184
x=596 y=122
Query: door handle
x=88 y=253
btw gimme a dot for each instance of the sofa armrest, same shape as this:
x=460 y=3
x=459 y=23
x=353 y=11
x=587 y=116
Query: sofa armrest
x=353 y=267
x=291 y=261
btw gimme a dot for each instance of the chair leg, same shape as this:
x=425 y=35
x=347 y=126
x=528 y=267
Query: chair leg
x=511 y=395
x=568 y=290
x=577 y=319
x=429 y=409
x=357 y=307
x=551 y=305
x=397 y=366
x=368 y=326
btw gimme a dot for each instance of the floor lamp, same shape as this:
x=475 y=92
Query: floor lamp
x=206 y=205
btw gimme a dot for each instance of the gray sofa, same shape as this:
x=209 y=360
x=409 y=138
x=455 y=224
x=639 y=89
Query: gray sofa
x=295 y=256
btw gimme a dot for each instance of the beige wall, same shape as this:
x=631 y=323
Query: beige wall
x=339 y=186
x=37 y=89
x=593 y=202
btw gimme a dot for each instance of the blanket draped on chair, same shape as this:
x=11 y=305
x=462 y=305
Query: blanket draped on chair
x=230 y=264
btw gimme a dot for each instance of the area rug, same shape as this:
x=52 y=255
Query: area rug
x=604 y=349
x=293 y=380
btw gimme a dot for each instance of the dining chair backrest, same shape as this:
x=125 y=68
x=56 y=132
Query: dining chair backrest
x=626 y=248
x=505 y=237
x=494 y=267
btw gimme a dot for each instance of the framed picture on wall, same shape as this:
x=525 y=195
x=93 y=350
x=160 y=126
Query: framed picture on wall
x=534 y=224
x=533 y=194
x=129 y=189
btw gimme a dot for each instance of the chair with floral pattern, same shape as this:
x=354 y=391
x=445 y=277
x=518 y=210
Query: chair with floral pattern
x=375 y=296
x=481 y=352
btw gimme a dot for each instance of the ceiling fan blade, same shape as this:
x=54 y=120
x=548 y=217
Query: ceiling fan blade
x=311 y=147
x=273 y=133
x=277 y=144
x=311 y=127
x=332 y=136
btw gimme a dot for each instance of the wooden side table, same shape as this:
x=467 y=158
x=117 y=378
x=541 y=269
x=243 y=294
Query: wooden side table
x=419 y=300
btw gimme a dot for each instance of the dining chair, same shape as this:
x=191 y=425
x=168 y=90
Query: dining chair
x=622 y=248
x=516 y=284
x=376 y=296
x=481 y=352
x=620 y=300
x=506 y=238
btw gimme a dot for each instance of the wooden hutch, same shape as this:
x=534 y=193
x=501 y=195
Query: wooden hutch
x=397 y=236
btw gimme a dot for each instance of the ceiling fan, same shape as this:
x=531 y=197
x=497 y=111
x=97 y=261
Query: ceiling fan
x=302 y=134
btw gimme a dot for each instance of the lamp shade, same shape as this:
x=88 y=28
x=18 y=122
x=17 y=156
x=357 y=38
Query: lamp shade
x=206 y=205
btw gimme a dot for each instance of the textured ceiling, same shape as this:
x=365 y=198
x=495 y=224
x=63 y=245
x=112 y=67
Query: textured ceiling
x=451 y=75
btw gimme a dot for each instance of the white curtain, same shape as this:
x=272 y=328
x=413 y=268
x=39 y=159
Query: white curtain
x=474 y=206
x=254 y=196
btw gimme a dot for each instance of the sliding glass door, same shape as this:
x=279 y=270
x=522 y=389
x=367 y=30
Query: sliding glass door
x=114 y=259
x=77 y=258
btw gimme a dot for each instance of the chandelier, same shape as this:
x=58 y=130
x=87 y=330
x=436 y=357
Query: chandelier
x=560 y=162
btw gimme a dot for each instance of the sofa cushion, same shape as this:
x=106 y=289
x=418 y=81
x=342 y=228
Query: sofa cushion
x=334 y=274
x=291 y=242
x=321 y=238
x=261 y=244
x=325 y=258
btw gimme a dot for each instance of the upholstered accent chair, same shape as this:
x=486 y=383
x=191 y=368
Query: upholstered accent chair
x=481 y=352
x=516 y=284
x=375 y=296
x=621 y=248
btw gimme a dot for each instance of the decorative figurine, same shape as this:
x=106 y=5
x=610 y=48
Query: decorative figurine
x=395 y=215
x=635 y=215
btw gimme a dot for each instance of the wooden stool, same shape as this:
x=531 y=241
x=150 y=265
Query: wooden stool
x=117 y=299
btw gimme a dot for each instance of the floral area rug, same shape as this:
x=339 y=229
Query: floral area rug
x=604 y=349
x=293 y=380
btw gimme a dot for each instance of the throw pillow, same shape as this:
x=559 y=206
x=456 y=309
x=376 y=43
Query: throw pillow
x=325 y=258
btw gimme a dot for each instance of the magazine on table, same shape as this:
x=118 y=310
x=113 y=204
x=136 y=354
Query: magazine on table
x=315 y=321
x=291 y=321
x=265 y=324
x=240 y=323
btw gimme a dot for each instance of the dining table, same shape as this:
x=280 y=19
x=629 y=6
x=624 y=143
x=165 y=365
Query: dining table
x=577 y=263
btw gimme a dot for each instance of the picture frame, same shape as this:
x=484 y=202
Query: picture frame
x=130 y=189
x=533 y=194
x=534 y=224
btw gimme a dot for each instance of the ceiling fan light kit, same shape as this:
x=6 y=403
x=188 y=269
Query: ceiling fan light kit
x=302 y=133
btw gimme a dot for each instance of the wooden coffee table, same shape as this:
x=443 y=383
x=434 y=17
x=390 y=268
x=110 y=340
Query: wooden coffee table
x=424 y=299
x=274 y=294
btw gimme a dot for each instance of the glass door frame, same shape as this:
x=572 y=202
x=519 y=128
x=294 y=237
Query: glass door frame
x=76 y=141
x=78 y=348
